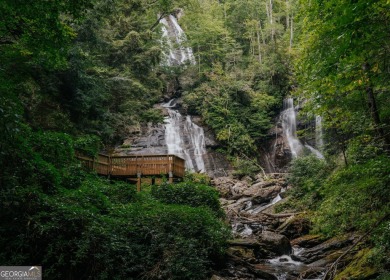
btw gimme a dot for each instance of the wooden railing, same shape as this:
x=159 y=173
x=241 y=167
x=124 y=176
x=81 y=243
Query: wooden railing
x=135 y=166
x=129 y=166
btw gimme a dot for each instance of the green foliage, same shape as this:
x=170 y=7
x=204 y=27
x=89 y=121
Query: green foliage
x=89 y=145
x=39 y=32
x=359 y=267
x=154 y=116
x=189 y=193
x=242 y=67
x=54 y=147
x=381 y=239
x=95 y=228
x=243 y=167
x=355 y=197
x=341 y=70
x=307 y=174
x=112 y=82
x=238 y=114
x=200 y=178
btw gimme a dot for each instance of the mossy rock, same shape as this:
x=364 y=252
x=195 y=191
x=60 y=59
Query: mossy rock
x=359 y=268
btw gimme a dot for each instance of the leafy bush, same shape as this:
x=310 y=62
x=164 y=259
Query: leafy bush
x=88 y=145
x=381 y=251
x=152 y=115
x=54 y=147
x=188 y=193
x=156 y=241
x=308 y=173
x=307 y=176
x=355 y=197
x=200 y=178
x=245 y=167
x=106 y=230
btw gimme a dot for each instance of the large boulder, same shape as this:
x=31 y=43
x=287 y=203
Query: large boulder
x=325 y=252
x=224 y=186
x=308 y=241
x=264 y=195
x=294 y=227
x=273 y=244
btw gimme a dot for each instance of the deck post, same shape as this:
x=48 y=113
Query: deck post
x=139 y=181
x=170 y=177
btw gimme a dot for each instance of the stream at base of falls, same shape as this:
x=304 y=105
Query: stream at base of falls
x=264 y=242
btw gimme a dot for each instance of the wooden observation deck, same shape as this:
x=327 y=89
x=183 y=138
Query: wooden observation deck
x=136 y=166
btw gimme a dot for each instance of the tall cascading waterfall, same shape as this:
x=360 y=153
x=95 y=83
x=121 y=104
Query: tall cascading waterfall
x=289 y=125
x=182 y=136
x=174 y=37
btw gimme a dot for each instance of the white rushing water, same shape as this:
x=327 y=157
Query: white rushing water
x=319 y=136
x=174 y=38
x=289 y=125
x=184 y=138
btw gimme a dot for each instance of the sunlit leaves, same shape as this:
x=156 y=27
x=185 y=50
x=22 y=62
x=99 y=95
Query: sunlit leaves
x=342 y=56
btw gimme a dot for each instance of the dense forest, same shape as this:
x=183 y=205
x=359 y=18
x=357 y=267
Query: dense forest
x=79 y=76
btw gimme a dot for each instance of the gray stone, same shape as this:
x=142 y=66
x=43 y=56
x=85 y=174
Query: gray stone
x=274 y=244
x=325 y=249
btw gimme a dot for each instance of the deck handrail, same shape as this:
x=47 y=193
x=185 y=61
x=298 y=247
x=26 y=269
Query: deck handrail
x=135 y=165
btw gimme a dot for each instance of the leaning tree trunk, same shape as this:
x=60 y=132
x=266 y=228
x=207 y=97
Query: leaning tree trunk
x=374 y=112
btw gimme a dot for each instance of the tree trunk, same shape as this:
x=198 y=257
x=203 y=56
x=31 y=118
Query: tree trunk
x=287 y=15
x=374 y=110
x=271 y=20
x=259 y=45
x=291 y=31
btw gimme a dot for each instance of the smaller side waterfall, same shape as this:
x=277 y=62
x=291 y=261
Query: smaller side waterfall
x=319 y=136
x=184 y=138
x=289 y=126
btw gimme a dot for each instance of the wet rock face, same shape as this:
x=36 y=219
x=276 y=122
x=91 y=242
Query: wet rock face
x=325 y=252
x=274 y=244
x=151 y=139
x=275 y=153
x=294 y=227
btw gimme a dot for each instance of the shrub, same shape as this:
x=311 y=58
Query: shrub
x=88 y=145
x=245 y=167
x=156 y=241
x=188 y=193
x=54 y=147
x=355 y=197
x=105 y=230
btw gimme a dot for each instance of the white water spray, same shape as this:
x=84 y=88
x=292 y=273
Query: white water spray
x=184 y=138
x=289 y=125
x=319 y=136
x=175 y=38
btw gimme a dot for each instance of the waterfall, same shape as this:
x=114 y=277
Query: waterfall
x=184 y=138
x=319 y=137
x=174 y=37
x=289 y=125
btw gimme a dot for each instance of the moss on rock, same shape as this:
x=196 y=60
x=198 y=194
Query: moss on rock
x=359 y=268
